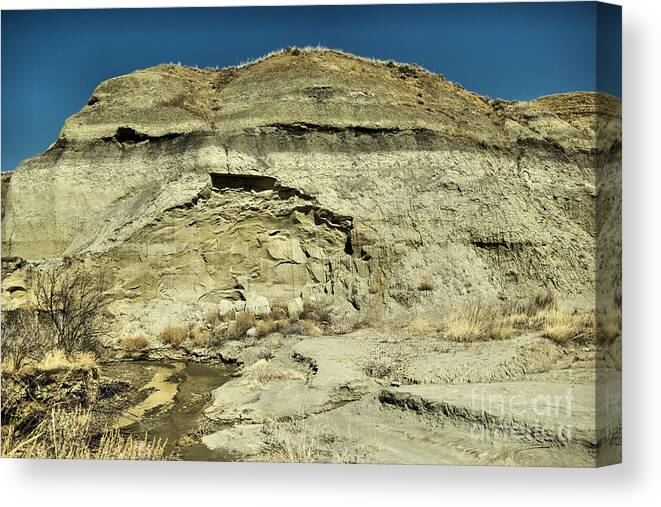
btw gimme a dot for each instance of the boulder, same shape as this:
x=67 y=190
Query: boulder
x=226 y=309
x=295 y=307
x=257 y=305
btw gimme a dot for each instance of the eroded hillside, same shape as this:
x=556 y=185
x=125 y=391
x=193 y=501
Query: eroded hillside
x=318 y=173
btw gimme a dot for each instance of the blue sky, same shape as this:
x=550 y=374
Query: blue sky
x=52 y=60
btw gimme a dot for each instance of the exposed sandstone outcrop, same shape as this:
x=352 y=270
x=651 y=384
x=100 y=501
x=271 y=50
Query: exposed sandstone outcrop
x=320 y=173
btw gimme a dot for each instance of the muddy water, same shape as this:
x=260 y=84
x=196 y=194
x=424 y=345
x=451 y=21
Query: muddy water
x=174 y=396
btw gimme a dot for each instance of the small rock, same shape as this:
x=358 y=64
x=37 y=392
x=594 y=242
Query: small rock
x=252 y=332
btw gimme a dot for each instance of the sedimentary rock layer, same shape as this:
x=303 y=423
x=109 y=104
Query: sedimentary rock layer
x=321 y=173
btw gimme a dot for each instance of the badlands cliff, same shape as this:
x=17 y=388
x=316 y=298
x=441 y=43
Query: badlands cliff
x=316 y=173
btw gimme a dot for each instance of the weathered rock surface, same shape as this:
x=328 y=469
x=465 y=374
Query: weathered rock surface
x=511 y=402
x=320 y=173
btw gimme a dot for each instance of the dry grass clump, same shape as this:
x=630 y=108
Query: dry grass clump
x=67 y=435
x=480 y=321
x=173 y=335
x=316 y=311
x=422 y=326
x=241 y=324
x=527 y=313
x=302 y=327
x=199 y=336
x=263 y=372
x=279 y=310
x=266 y=327
x=58 y=359
x=213 y=319
x=386 y=363
x=425 y=285
x=310 y=328
x=301 y=441
x=531 y=306
x=564 y=328
x=477 y=321
x=134 y=343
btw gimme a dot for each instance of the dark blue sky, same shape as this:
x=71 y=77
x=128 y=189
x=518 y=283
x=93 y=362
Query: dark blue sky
x=52 y=60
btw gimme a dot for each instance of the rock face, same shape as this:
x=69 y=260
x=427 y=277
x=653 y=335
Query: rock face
x=318 y=173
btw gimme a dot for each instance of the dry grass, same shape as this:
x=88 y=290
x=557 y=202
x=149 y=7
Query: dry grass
x=301 y=441
x=303 y=327
x=311 y=328
x=263 y=372
x=199 y=336
x=67 y=435
x=279 y=310
x=477 y=321
x=422 y=326
x=532 y=305
x=425 y=285
x=564 y=328
x=57 y=359
x=266 y=327
x=173 y=335
x=480 y=321
x=213 y=318
x=242 y=322
x=386 y=362
x=134 y=343
x=316 y=311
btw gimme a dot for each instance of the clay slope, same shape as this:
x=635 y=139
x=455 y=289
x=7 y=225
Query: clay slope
x=315 y=172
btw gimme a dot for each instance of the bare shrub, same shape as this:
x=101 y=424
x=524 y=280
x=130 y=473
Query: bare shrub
x=25 y=337
x=308 y=327
x=134 y=343
x=76 y=301
x=173 y=335
x=293 y=328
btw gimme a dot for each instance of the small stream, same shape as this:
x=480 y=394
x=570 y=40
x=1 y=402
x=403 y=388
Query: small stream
x=175 y=396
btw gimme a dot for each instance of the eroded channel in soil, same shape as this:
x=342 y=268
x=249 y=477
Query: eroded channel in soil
x=171 y=397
